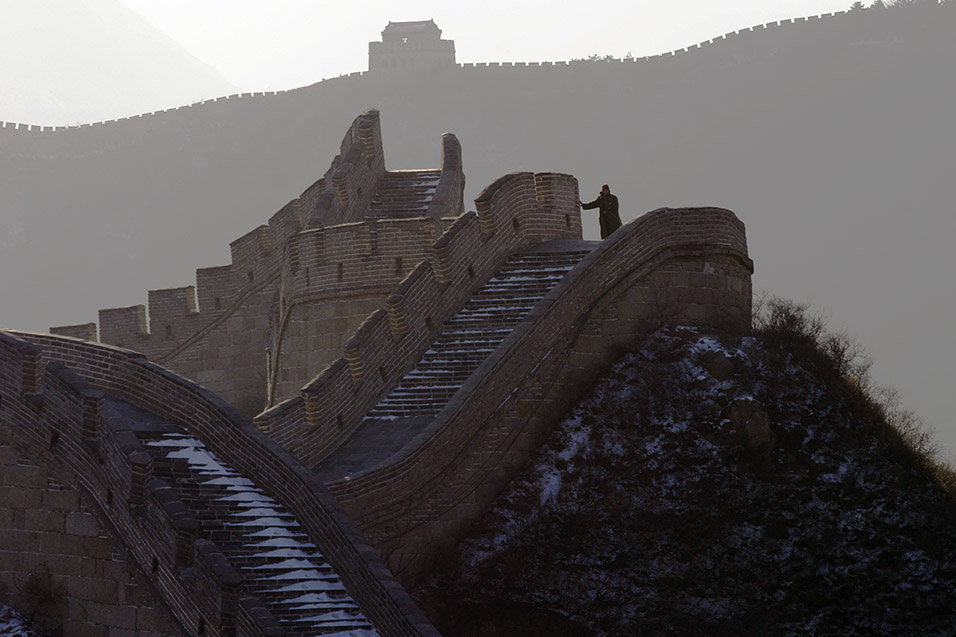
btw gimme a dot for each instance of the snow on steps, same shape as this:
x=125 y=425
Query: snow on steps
x=277 y=561
x=404 y=194
x=470 y=336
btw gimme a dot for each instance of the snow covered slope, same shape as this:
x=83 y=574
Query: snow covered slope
x=711 y=487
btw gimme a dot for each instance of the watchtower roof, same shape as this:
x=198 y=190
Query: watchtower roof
x=411 y=29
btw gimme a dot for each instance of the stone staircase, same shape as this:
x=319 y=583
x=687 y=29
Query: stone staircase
x=276 y=560
x=466 y=341
x=404 y=194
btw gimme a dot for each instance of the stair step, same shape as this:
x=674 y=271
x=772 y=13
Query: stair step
x=475 y=332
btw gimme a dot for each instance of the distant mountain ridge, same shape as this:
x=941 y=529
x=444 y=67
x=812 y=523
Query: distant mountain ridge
x=112 y=51
x=829 y=137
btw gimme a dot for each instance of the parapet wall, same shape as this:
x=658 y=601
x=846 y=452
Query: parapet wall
x=218 y=331
x=48 y=409
x=515 y=212
x=683 y=267
x=120 y=481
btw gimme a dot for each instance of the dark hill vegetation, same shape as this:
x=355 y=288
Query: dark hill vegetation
x=717 y=486
x=832 y=139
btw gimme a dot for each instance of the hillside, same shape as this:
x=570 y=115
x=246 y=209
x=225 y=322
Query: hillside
x=830 y=138
x=713 y=486
x=98 y=60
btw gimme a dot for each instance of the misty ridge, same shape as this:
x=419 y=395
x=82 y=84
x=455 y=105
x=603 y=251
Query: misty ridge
x=832 y=139
x=62 y=57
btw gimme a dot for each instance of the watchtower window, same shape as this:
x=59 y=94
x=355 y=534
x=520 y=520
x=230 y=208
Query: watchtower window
x=251 y=275
x=398 y=266
x=218 y=303
x=341 y=272
x=169 y=331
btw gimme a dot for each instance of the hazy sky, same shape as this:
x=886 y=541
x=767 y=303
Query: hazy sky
x=275 y=44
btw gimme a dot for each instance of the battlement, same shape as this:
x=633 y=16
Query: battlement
x=342 y=259
x=391 y=340
x=345 y=191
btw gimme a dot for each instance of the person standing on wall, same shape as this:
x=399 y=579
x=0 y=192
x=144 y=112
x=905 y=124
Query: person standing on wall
x=607 y=213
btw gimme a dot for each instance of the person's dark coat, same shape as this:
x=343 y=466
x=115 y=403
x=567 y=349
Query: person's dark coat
x=607 y=215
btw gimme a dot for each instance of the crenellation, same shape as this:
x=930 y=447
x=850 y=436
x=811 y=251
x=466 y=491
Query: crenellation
x=250 y=253
x=85 y=331
x=448 y=199
x=172 y=312
x=123 y=326
x=286 y=222
x=215 y=288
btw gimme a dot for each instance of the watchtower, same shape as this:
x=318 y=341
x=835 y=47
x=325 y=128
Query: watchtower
x=411 y=47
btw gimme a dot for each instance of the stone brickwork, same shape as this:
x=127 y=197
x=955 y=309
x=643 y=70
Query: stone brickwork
x=58 y=559
x=517 y=211
x=54 y=412
x=228 y=331
x=685 y=267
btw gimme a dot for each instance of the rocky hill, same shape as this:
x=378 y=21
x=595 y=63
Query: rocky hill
x=717 y=486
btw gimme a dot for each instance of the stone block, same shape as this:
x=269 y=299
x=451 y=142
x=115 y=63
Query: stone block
x=40 y=520
x=20 y=475
x=25 y=498
x=111 y=615
x=98 y=548
x=90 y=589
x=8 y=455
x=62 y=500
x=82 y=524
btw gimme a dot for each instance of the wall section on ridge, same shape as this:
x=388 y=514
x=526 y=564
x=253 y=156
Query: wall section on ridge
x=161 y=540
x=218 y=331
x=670 y=267
x=333 y=277
x=517 y=211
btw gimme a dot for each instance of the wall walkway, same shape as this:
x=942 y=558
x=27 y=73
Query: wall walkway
x=59 y=396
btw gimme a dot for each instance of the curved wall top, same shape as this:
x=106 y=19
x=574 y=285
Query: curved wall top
x=99 y=370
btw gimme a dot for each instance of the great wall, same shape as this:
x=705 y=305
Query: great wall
x=402 y=359
x=410 y=474
x=761 y=39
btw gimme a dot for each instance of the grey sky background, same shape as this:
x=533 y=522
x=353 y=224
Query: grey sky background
x=846 y=194
x=61 y=74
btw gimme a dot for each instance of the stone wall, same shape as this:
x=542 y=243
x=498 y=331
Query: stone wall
x=220 y=331
x=515 y=212
x=686 y=267
x=83 y=546
x=333 y=277
x=59 y=560
x=160 y=541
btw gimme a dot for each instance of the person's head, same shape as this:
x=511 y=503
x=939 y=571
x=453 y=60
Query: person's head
x=605 y=190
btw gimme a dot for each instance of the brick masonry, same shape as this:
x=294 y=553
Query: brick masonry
x=686 y=267
x=228 y=331
x=517 y=211
x=50 y=405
